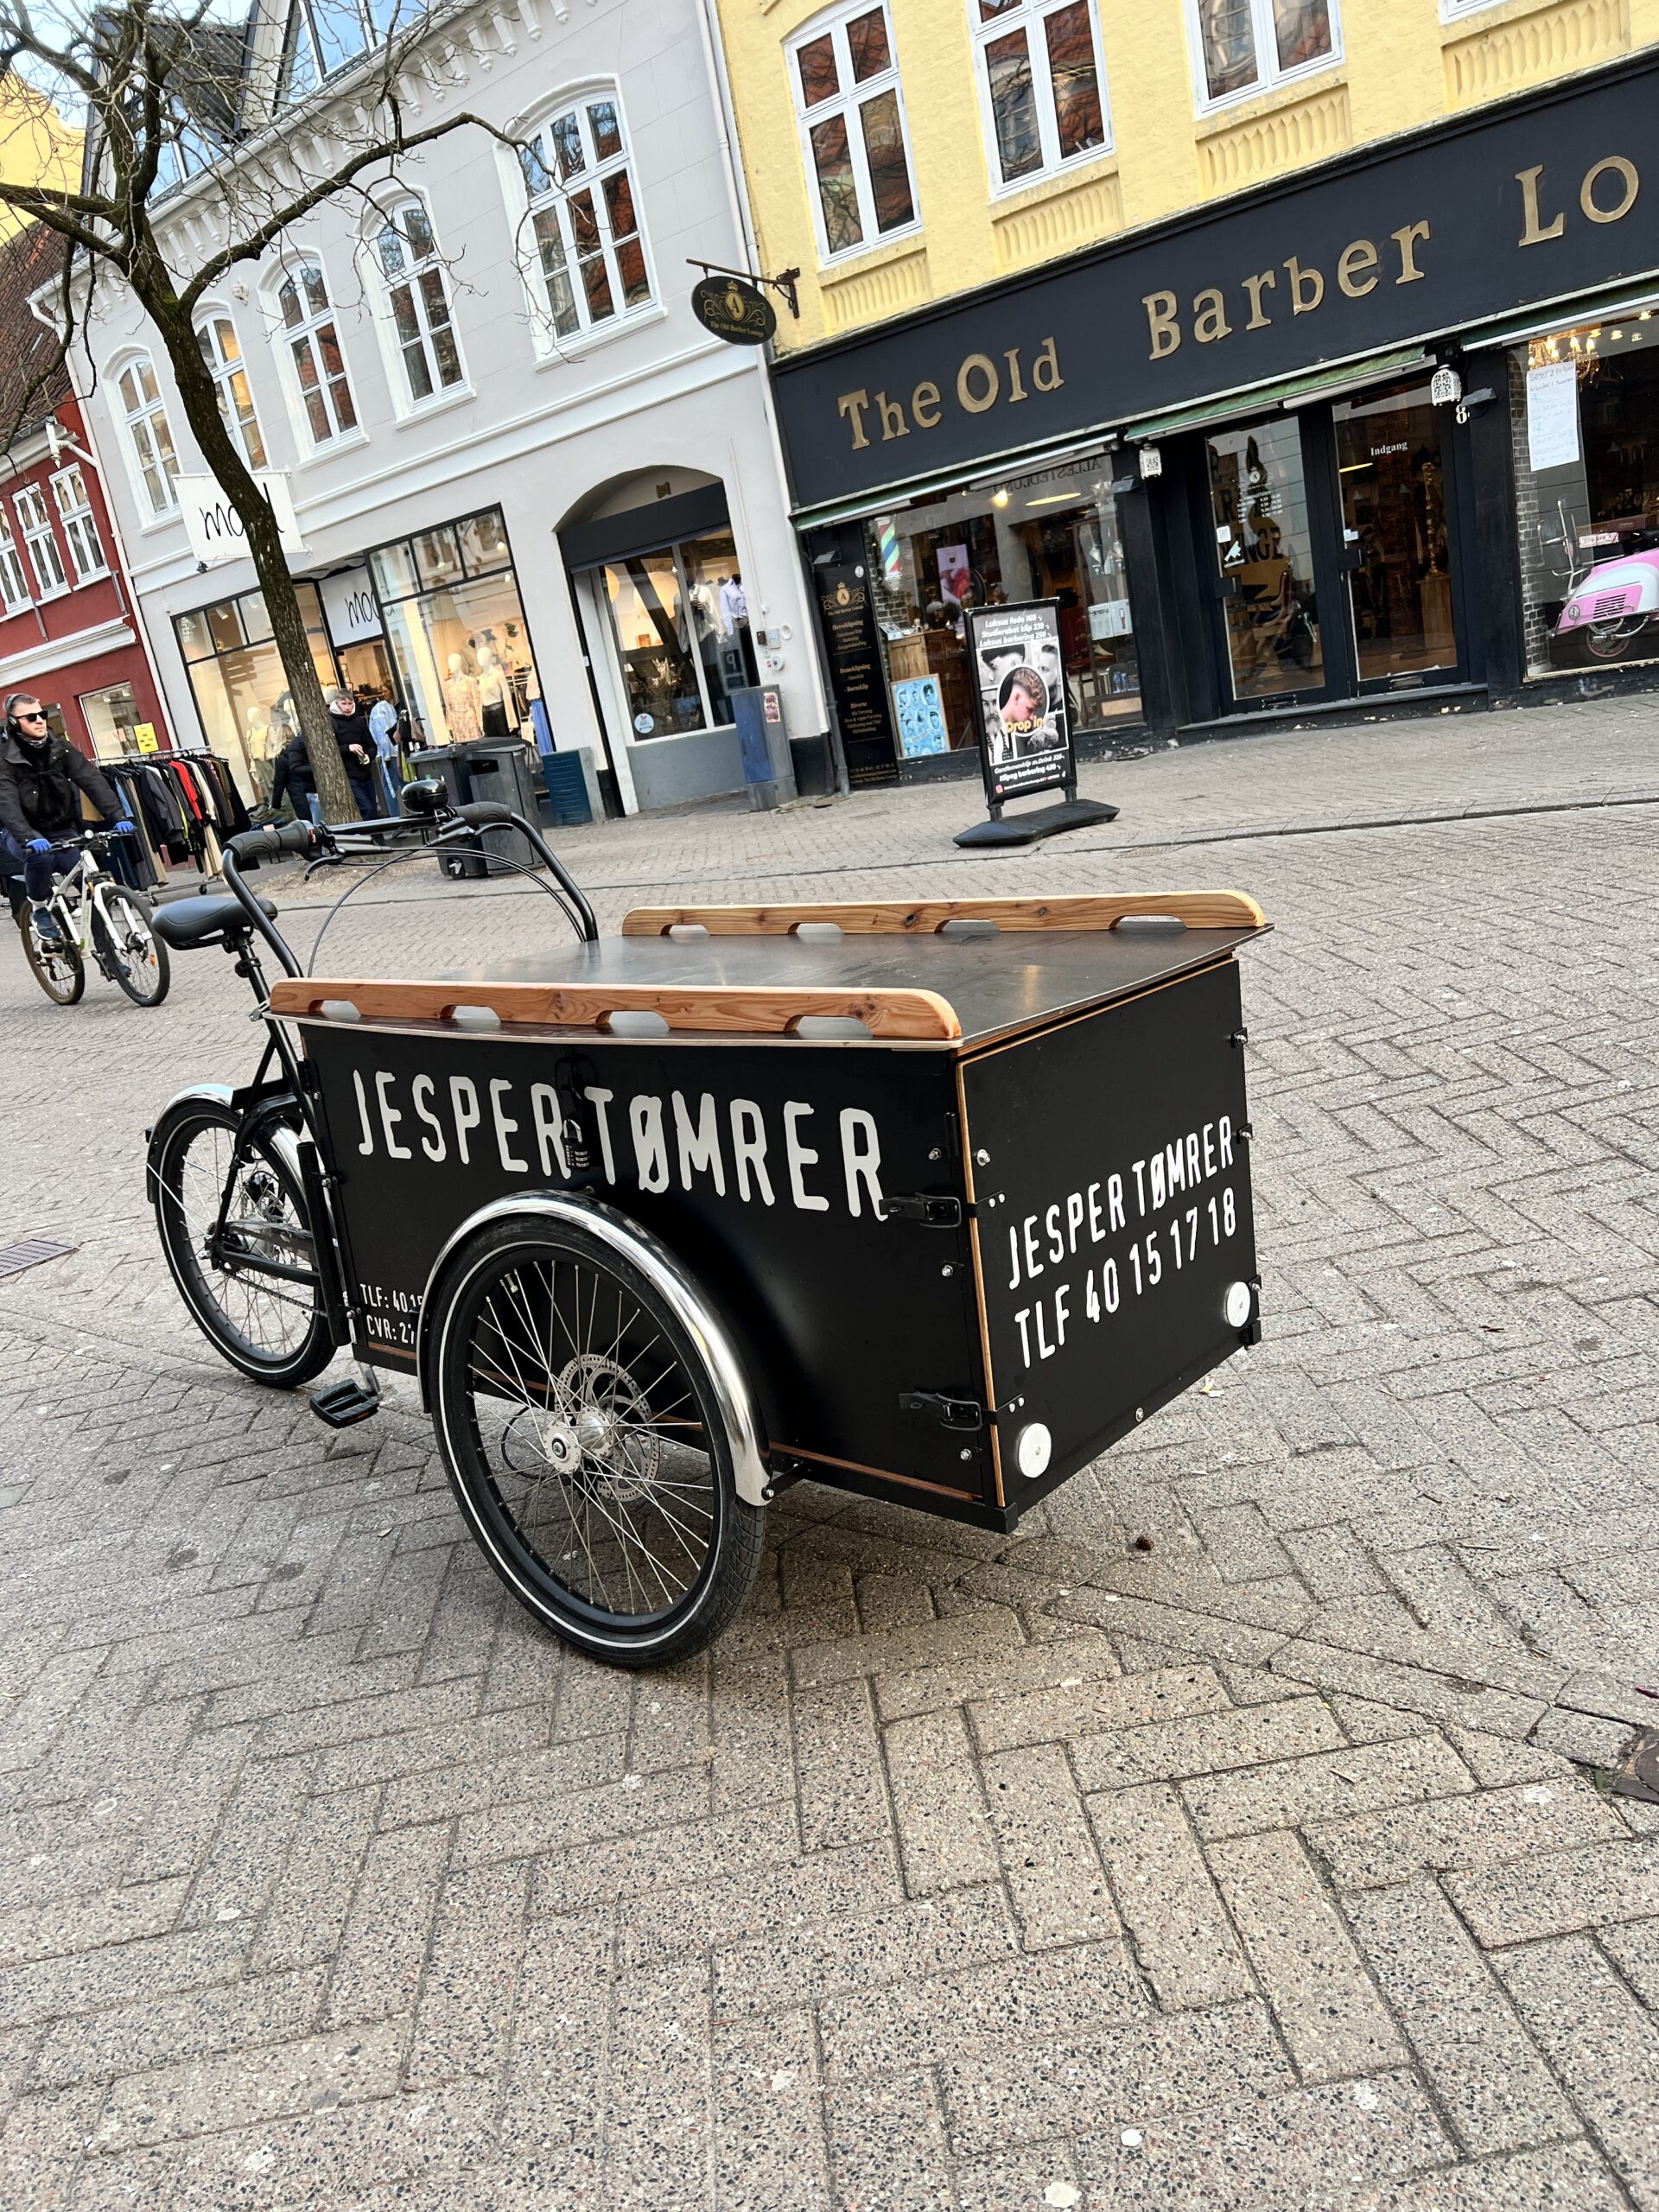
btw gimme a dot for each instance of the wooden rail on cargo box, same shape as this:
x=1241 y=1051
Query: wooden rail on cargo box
x=1199 y=910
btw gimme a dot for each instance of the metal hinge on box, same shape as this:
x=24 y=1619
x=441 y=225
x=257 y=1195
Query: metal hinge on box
x=950 y=1412
x=932 y=1213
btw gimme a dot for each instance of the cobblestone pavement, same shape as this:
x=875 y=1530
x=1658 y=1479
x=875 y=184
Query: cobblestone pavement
x=1267 y=1868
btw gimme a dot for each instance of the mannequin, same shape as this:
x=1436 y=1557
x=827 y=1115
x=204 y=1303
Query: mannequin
x=461 y=703
x=495 y=693
x=265 y=741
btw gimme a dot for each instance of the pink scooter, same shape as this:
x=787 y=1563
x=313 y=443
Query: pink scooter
x=1613 y=604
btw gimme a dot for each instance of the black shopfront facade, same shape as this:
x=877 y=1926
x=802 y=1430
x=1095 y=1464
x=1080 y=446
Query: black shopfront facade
x=1382 y=437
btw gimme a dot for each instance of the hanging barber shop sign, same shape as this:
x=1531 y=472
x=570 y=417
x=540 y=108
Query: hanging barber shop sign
x=1536 y=199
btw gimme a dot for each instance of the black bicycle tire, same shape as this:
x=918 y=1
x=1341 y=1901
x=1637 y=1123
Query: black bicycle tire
x=118 y=895
x=318 y=1347
x=728 y=1574
x=69 y=952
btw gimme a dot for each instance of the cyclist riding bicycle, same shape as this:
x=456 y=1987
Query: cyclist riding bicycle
x=41 y=774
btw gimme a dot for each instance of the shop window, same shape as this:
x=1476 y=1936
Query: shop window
x=41 y=540
x=851 y=112
x=240 y=686
x=112 y=720
x=222 y=352
x=1050 y=535
x=79 y=523
x=14 y=585
x=417 y=301
x=314 y=354
x=1041 y=86
x=149 y=438
x=1584 y=406
x=1248 y=46
x=589 y=251
x=680 y=620
x=455 y=627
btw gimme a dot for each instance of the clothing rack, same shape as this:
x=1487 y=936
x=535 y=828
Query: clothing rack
x=184 y=805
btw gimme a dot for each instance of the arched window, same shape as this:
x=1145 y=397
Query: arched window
x=417 y=300
x=590 y=250
x=222 y=352
x=319 y=366
x=150 y=436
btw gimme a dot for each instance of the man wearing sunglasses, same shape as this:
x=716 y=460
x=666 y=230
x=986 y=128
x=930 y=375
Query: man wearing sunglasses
x=41 y=777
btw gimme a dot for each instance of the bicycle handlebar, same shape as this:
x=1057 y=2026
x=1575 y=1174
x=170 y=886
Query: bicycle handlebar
x=270 y=844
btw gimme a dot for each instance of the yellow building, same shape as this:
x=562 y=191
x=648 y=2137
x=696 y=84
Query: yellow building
x=1239 y=333
x=36 y=147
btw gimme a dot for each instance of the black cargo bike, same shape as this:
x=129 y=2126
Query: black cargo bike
x=930 y=1202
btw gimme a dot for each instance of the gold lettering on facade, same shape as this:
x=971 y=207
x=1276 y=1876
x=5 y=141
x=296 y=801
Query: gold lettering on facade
x=924 y=405
x=1615 y=165
x=1533 y=229
x=1046 y=369
x=1210 y=317
x=1407 y=239
x=977 y=402
x=1267 y=281
x=1307 y=287
x=1162 y=325
x=893 y=424
x=1354 y=268
x=1016 y=389
x=851 y=407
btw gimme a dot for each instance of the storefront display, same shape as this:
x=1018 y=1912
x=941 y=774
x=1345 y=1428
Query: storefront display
x=240 y=687
x=680 y=622
x=113 y=723
x=455 y=626
x=1051 y=535
x=1585 y=409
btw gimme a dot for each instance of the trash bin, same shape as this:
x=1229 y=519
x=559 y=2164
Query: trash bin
x=449 y=765
x=506 y=770
x=572 y=787
x=768 y=766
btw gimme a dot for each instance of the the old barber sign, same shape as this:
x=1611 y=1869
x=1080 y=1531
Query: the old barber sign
x=1535 y=201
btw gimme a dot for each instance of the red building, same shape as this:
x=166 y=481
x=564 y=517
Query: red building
x=66 y=626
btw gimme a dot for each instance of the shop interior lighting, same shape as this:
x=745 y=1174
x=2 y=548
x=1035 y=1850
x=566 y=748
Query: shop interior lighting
x=999 y=497
x=1053 y=499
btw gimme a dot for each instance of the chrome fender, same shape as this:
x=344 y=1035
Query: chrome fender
x=283 y=1141
x=673 y=1283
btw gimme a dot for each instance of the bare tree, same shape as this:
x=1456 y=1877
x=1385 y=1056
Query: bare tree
x=207 y=139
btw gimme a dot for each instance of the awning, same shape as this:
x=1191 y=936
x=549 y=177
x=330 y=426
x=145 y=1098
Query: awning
x=1326 y=383
x=1569 y=316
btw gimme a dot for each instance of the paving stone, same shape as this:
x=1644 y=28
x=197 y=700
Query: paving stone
x=128 y=2038
x=1464 y=1834
x=943 y=1834
x=1306 y=2148
x=1084 y=1657
x=1149 y=2064
x=842 y=1781
x=377 y=1971
x=1172 y=1908
x=44 y=1931
x=666 y=1858
x=197 y=1958
x=1442 y=1697
x=1554 y=1896
x=888 y=2144
x=1491 y=2083
x=539 y=1773
x=205 y=2096
x=1359 y=1777
x=1049 y=1860
x=469 y=1988
x=637 y=1803
x=659 y=2119
x=306 y=1915
x=747 y=1900
x=901 y=1651
x=1210 y=1744
x=1634 y=1949
x=1602 y=2044
x=1083 y=1705
x=1326 y=2006
x=1210 y=1636
x=1569 y=2178
x=806 y=1964
x=769 y=2149
x=557 y=2071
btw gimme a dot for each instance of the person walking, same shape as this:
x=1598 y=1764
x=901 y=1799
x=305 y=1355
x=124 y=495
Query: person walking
x=357 y=749
x=383 y=728
x=41 y=777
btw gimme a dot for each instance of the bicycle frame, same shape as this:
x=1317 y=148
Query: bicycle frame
x=88 y=878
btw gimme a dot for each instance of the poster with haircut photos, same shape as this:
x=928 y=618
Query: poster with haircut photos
x=1024 y=736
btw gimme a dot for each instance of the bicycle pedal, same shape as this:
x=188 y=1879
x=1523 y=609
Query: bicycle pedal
x=342 y=1405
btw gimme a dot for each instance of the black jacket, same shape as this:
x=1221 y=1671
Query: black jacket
x=38 y=787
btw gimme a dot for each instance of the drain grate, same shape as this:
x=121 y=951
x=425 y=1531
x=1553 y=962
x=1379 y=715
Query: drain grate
x=14 y=1258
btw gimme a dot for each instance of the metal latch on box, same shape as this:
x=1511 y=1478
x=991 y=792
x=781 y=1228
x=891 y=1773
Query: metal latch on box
x=933 y=1213
x=950 y=1412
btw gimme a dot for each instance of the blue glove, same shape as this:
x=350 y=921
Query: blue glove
x=123 y=828
x=40 y=844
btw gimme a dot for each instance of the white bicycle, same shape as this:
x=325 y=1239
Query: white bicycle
x=99 y=917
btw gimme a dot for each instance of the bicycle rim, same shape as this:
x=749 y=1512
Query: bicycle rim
x=260 y=1321
x=137 y=957
x=58 y=969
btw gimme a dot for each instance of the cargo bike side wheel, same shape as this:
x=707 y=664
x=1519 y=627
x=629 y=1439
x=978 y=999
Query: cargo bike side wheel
x=597 y=1430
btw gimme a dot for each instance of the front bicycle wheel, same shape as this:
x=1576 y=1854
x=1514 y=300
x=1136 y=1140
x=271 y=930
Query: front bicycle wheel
x=585 y=1443
x=133 y=955
x=251 y=1286
x=56 y=966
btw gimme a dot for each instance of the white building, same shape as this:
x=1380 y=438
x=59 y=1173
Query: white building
x=530 y=486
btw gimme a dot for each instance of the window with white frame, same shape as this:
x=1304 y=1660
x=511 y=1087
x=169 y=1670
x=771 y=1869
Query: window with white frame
x=852 y=120
x=14 y=585
x=79 y=523
x=417 y=300
x=41 y=540
x=222 y=352
x=590 y=251
x=1041 y=85
x=1248 y=46
x=324 y=35
x=315 y=355
x=150 y=436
